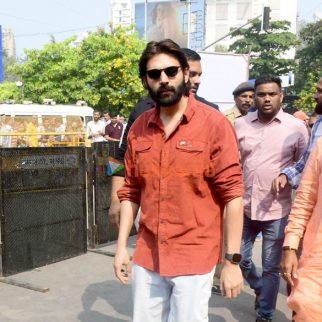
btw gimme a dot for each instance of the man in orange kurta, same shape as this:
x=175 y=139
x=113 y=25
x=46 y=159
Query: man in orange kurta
x=305 y=219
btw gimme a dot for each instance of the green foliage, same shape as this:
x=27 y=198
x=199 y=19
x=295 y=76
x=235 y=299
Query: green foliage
x=309 y=58
x=266 y=48
x=221 y=49
x=9 y=91
x=7 y=62
x=102 y=70
x=306 y=101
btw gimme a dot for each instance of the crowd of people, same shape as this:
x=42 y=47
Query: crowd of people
x=109 y=127
x=206 y=183
x=28 y=131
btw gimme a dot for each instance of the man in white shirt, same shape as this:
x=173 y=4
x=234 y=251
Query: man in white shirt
x=96 y=129
x=5 y=141
x=106 y=118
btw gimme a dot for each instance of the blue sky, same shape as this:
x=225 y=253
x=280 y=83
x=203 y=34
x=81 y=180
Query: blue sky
x=33 y=21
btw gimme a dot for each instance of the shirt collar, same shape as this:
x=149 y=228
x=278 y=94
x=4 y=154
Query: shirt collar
x=316 y=124
x=278 y=117
x=236 y=112
x=186 y=117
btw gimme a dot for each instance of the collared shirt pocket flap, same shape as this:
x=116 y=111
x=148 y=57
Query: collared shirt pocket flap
x=190 y=156
x=190 y=145
x=143 y=156
x=143 y=146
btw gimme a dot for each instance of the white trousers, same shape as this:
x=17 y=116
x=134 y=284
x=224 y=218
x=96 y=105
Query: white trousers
x=170 y=299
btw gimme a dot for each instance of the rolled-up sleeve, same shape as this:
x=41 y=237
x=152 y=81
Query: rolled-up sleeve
x=131 y=189
x=305 y=200
x=225 y=169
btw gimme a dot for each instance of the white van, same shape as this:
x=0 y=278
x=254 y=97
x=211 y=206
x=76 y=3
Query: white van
x=65 y=112
x=44 y=125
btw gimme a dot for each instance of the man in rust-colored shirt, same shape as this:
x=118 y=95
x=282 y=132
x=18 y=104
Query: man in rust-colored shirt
x=182 y=168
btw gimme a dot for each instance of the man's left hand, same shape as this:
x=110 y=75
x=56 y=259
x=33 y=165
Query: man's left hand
x=231 y=280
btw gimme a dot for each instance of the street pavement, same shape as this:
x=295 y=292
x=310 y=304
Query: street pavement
x=84 y=289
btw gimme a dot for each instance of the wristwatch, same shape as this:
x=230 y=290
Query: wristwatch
x=288 y=248
x=234 y=258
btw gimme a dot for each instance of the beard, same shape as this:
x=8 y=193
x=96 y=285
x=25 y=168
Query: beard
x=318 y=108
x=168 y=95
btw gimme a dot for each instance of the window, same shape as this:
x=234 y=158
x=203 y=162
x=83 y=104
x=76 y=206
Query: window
x=243 y=11
x=221 y=11
x=221 y=30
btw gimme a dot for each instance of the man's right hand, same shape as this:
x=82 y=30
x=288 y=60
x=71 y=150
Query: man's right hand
x=122 y=267
x=231 y=280
x=114 y=212
x=279 y=183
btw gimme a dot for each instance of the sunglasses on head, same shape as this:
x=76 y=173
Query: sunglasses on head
x=170 y=71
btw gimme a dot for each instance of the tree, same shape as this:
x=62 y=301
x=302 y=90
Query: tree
x=306 y=101
x=9 y=91
x=266 y=48
x=309 y=67
x=7 y=62
x=101 y=70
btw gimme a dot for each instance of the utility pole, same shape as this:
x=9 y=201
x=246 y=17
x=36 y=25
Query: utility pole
x=1 y=60
x=145 y=17
x=189 y=23
x=265 y=20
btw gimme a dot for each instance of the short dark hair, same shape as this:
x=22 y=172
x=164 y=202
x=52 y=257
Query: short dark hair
x=106 y=112
x=97 y=111
x=166 y=46
x=113 y=114
x=268 y=78
x=191 y=54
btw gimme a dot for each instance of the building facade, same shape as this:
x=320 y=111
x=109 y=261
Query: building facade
x=8 y=42
x=121 y=13
x=222 y=15
x=209 y=19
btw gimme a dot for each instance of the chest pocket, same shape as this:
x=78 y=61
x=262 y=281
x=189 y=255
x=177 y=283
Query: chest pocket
x=190 y=156
x=143 y=156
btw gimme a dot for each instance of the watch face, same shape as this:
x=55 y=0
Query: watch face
x=236 y=258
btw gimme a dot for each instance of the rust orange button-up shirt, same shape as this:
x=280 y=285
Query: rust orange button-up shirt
x=182 y=184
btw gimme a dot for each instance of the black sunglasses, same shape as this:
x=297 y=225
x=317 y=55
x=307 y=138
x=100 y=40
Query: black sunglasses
x=170 y=71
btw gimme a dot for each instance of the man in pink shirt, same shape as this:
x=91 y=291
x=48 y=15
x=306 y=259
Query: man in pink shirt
x=269 y=140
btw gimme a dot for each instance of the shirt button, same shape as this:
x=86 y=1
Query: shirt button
x=162 y=221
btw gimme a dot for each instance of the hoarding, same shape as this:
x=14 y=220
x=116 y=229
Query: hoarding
x=170 y=20
x=221 y=73
x=1 y=60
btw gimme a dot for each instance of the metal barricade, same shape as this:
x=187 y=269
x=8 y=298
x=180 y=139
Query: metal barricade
x=43 y=206
x=43 y=139
x=100 y=228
